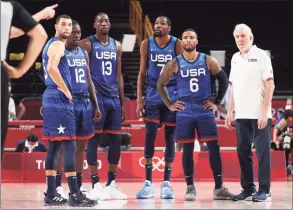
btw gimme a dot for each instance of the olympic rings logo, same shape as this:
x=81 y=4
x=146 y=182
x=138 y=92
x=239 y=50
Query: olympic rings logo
x=158 y=163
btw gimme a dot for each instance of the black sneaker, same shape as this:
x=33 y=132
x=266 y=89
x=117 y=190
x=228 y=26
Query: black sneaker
x=243 y=196
x=79 y=200
x=55 y=201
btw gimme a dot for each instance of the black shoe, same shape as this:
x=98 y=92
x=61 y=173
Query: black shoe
x=243 y=196
x=55 y=201
x=79 y=200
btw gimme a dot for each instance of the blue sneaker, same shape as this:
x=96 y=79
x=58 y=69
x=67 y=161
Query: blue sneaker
x=243 y=196
x=262 y=197
x=166 y=190
x=147 y=191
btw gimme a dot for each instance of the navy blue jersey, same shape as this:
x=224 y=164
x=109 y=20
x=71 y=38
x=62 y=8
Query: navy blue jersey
x=193 y=79
x=62 y=66
x=103 y=66
x=77 y=68
x=157 y=59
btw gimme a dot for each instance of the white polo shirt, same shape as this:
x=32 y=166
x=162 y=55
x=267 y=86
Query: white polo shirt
x=248 y=74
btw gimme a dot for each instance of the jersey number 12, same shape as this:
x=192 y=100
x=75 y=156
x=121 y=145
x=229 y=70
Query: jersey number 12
x=79 y=76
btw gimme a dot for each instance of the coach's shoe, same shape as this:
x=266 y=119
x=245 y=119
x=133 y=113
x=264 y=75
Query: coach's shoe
x=84 y=191
x=261 y=196
x=79 y=200
x=98 y=193
x=222 y=194
x=166 y=190
x=243 y=196
x=114 y=192
x=190 y=193
x=55 y=201
x=147 y=191
x=60 y=191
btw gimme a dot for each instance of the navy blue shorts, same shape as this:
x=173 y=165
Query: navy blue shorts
x=84 y=118
x=195 y=117
x=159 y=113
x=59 y=121
x=111 y=121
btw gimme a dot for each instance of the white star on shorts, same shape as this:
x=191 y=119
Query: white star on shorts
x=61 y=129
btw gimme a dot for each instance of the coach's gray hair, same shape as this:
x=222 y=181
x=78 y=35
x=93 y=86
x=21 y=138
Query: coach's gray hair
x=245 y=28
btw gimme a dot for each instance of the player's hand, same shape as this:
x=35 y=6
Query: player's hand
x=139 y=109
x=262 y=121
x=177 y=106
x=228 y=121
x=48 y=12
x=97 y=116
x=208 y=104
x=66 y=93
x=123 y=113
x=13 y=72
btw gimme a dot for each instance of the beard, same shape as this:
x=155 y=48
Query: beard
x=64 y=35
x=189 y=49
x=160 y=34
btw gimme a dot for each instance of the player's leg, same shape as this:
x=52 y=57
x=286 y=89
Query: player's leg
x=59 y=188
x=207 y=132
x=185 y=134
x=97 y=192
x=262 y=142
x=245 y=156
x=168 y=119
x=113 y=126
x=152 y=120
x=84 y=131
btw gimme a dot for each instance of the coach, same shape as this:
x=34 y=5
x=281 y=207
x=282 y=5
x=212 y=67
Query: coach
x=251 y=93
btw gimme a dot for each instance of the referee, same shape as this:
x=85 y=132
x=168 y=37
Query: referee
x=251 y=93
x=13 y=14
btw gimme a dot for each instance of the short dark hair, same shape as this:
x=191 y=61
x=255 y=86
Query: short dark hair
x=100 y=13
x=168 y=19
x=288 y=113
x=74 y=23
x=32 y=137
x=62 y=16
x=190 y=29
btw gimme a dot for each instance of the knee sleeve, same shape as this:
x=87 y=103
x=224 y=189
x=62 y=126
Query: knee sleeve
x=52 y=156
x=114 y=148
x=187 y=158
x=151 y=133
x=69 y=161
x=169 y=144
x=91 y=151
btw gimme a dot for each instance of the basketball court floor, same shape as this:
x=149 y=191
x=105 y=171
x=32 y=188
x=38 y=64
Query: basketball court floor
x=30 y=196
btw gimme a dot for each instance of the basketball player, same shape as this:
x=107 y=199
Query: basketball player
x=105 y=66
x=59 y=123
x=192 y=70
x=82 y=88
x=155 y=52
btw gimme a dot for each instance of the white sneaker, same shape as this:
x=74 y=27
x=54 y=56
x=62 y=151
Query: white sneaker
x=114 y=192
x=84 y=191
x=98 y=193
x=60 y=191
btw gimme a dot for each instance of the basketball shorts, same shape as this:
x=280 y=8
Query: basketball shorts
x=111 y=121
x=195 y=117
x=159 y=113
x=59 y=122
x=84 y=118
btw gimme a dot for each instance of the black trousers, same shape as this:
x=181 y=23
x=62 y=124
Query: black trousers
x=5 y=95
x=248 y=132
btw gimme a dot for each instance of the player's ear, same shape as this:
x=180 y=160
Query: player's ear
x=169 y=28
x=56 y=27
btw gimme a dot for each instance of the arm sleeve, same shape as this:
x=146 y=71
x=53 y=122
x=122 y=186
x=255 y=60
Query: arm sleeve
x=21 y=18
x=267 y=69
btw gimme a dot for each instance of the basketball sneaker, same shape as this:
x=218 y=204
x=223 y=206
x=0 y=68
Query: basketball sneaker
x=222 y=194
x=261 y=196
x=99 y=193
x=115 y=192
x=166 y=190
x=79 y=200
x=190 y=193
x=247 y=196
x=84 y=191
x=55 y=201
x=147 y=191
x=60 y=191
